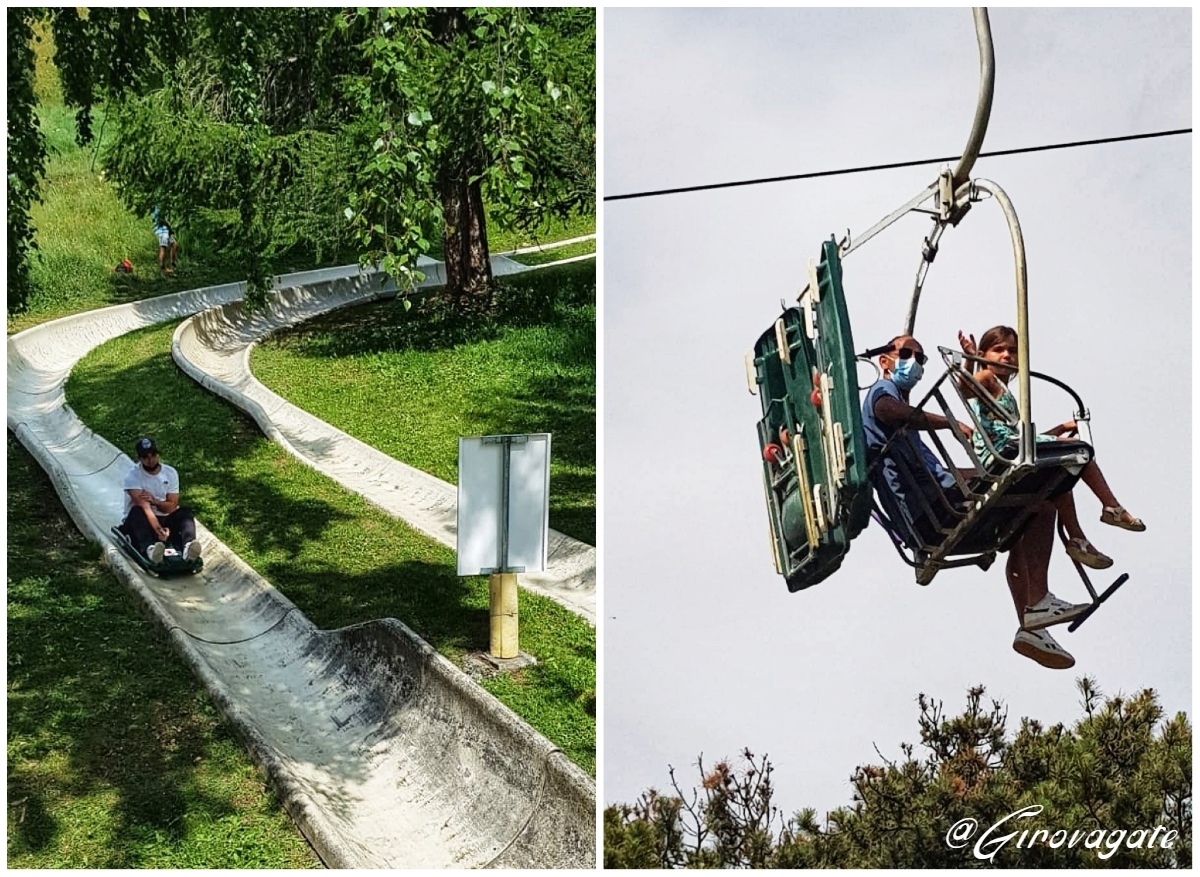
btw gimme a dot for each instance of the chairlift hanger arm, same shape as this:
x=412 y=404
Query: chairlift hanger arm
x=852 y=244
x=983 y=111
x=974 y=190
x=953 y=204
x=987 y=89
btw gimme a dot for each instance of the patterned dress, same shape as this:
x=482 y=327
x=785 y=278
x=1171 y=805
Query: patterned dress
x=1003 y=435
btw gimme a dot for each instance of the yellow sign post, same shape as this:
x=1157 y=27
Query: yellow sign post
x=504 y=613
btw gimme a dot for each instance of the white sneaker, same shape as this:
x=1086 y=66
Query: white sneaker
x=1041 y=647
x=1051 y=610
x=191 y=551
x=156 y=551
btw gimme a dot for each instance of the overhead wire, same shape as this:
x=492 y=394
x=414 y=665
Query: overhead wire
x=893 y=165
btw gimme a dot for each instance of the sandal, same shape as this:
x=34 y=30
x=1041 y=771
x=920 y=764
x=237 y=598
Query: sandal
x=1082 y=551
x=1114 y=516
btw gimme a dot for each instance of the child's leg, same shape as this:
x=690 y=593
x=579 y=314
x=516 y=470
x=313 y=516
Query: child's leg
x=1029 y=561
x=1094 y=478
x=1016 y=570
x=1066 y=513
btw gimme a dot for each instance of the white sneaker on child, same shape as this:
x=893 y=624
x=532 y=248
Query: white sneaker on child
x=191 y=551
x=156 y=551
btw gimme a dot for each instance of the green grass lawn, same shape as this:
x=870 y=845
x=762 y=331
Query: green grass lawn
x=411 y=382
x=83 y=231
x=580 y=248
x=501 y=240
x=340 y=559
x=116 y=756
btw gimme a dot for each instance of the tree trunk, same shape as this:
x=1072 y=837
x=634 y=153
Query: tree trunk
x=468 y=269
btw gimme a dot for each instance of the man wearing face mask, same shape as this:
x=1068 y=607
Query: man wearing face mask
x=885 y=410
x=153 y=516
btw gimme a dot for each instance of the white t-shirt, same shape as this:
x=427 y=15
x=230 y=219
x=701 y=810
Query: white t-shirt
x=158 y=486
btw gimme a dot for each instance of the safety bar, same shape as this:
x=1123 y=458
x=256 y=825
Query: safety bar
x=955 y=358
x=984 y=490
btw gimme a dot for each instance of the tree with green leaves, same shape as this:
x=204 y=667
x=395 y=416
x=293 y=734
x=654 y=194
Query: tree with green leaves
x=26 y=155
x=466 y=107
x=1114 y=790
x=101 y=54
x=273 y=130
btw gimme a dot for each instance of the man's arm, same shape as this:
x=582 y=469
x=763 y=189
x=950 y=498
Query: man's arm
x=143 y=500
x=168 y=505
x=893 y=412
x=161 y=506
x=171 y=482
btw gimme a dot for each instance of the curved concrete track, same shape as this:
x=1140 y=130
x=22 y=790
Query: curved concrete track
x=214 y=349
x=384 y=753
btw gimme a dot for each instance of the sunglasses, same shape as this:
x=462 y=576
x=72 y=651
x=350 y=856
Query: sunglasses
x=906 y=352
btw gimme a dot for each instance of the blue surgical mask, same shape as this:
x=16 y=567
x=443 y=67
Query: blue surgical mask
x=907 y=373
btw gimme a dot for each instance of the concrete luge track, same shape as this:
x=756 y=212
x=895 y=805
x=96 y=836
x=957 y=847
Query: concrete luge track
x=383 y=752
x=214 y=346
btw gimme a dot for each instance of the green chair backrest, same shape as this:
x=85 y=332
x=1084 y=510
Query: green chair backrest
x=818 y=496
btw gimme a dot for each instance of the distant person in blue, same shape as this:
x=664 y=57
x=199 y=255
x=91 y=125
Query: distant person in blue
x=885 y=412
x=168 y=248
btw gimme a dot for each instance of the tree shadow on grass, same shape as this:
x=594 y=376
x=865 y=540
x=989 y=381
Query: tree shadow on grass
x=148 y=282
x=90 y=680
x=563 y=405
x=430 y=598
x=218 y=451
x=108 y=693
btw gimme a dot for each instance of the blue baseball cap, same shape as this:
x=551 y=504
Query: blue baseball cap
x=145 y=446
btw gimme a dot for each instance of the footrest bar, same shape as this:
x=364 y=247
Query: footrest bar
x=1121 y=579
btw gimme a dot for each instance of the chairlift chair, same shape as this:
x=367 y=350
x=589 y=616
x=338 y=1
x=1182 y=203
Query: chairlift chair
x=816 y=472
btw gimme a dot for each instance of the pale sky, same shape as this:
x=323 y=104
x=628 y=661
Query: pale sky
x=704 y=648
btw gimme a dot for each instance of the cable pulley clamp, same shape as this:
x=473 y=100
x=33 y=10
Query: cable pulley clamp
x=945 y=194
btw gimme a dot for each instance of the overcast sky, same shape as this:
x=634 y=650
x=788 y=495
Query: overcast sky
x=704 y=648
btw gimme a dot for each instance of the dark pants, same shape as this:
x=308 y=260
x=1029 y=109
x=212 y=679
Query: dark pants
x=180 y=522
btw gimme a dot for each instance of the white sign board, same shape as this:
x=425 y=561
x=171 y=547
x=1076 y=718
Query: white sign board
x=495 y=535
